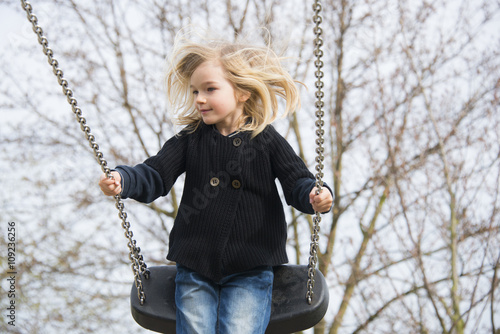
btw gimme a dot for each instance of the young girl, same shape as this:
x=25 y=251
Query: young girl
x=230 y=229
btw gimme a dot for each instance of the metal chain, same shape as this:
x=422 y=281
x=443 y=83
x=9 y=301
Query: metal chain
x=138 y=264
x=318 y=43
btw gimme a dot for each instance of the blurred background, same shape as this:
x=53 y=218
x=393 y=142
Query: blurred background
x=412 y=93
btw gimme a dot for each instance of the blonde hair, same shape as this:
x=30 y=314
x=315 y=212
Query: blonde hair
x=251 y=69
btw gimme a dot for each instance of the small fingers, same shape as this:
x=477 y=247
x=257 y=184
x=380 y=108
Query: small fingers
x=110 y=186
x=321 y=202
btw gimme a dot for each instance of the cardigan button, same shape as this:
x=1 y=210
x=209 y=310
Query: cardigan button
x=236 y=184
x=214 y=182
x=237 y=141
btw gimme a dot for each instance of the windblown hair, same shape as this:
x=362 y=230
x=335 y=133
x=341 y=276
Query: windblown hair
x=251 y=69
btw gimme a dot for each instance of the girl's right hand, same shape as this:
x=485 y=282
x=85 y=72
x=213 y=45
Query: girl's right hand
x=111 y=187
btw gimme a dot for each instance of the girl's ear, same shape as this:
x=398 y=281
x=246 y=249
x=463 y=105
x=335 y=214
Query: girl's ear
x=243 y=96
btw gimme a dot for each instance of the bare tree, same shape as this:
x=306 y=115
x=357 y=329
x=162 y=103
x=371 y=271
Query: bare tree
x=411 y=244
x=409 y=128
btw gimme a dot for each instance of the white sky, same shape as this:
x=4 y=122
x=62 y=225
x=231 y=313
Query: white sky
x=13 y=25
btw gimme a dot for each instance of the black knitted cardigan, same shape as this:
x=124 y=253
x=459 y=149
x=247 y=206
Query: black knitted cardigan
x=230 y=218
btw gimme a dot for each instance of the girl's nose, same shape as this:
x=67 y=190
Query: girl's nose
x=200 y=98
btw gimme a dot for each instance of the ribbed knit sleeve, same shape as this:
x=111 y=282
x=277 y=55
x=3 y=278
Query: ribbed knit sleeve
x=170 y=161
x=287 y=165
x=155 y=177
x=142 y=183
x=300 y=195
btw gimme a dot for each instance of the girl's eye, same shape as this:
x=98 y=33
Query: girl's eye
x=210 y=89
x=195 y=92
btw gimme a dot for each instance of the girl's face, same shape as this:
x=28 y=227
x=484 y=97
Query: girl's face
x=216 y=99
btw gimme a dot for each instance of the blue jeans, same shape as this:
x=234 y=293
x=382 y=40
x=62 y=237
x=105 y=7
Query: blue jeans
x=239 y=303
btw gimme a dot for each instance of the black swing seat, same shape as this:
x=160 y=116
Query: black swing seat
x=290 y=311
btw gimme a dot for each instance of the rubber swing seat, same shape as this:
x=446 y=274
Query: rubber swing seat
x=290 y=311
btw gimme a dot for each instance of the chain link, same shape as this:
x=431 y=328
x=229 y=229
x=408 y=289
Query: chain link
x=318 y=43
x=138 y=264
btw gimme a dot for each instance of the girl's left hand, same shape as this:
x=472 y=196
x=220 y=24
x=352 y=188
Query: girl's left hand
x=321 y=202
